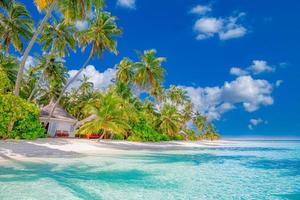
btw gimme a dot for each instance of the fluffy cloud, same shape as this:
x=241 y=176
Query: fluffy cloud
x=260 y=66
x=100 y=80
x=226 y=28
x=257 y=67
x=255 y=122
x=238 y=71
x=244 y=90
x=200 y=9
x=81 y=25
x=126 y=3
x=207 y=26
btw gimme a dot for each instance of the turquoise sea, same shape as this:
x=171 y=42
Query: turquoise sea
x=255 y=170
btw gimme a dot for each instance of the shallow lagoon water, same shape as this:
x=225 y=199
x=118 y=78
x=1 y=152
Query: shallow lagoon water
x=249 y=170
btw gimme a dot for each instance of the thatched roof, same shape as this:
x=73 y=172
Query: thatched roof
x=59 y=113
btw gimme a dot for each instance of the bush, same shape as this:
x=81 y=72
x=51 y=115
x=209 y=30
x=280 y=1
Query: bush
x=177 y=137
x=118 y=137
x=24 y=115
x=143 y=132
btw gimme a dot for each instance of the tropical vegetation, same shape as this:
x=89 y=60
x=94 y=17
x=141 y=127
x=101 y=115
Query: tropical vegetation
x=136 y=107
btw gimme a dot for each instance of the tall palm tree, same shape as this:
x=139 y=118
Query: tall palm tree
x=111 y=116
x=149 y=73
x=100 y=36
x=58 y=39
x=15 y=26
x=169 y=121
x=125 y=71
x=72 y=10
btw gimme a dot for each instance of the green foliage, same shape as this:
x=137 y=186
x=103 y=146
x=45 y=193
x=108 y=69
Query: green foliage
x=118 y=137
x=192 y=134
x=177 y=137
x=24 y=114
x=143 y=132
x=4 y=83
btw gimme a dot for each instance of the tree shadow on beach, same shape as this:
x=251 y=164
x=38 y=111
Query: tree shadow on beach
x=34 y=149
x=70 y=176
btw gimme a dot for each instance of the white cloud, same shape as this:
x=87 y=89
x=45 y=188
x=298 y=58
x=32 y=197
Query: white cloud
x=260 y=66
x=278 y=83
x=238 y=71
x=126 y=4
x=81 y=25
x=244 y=90
x=255 y=122
x=100 y=80
x=225 y=28
x=257 y=67
x=200 y=10
x=236 y=32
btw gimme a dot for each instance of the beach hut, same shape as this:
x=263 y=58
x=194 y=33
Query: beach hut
x=61 y=123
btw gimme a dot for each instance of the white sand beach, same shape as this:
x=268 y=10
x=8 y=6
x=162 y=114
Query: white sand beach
x=60 y=148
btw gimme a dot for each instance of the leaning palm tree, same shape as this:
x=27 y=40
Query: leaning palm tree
x=149 y=73
x=169 y=121
x=72 y=10
x=110 y=116
x=100 y=36
x=15 y=27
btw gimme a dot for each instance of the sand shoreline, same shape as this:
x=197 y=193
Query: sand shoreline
x=65 y=148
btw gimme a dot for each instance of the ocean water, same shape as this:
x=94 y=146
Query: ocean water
x=247 y=170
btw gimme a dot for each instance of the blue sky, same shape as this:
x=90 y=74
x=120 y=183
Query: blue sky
x=239 y=60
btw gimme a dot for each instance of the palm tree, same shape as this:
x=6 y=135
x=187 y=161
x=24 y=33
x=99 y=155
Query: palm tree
x=158 y=93
x=100 y=36
x=111 y=116
x=200 y=122
x=210 y=133
x=15 y=26
x=169 y=121
x=6 y=3
x=125 y=71
x=177 y=95
x=149 y=73
x=187 y=111
x=58 y=39
x=72 y=10
x=55 y=75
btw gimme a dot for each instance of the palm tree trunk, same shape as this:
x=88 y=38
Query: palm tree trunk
x=69 y=83
x=29 y=47
x=103 y=134
x=39 y=81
